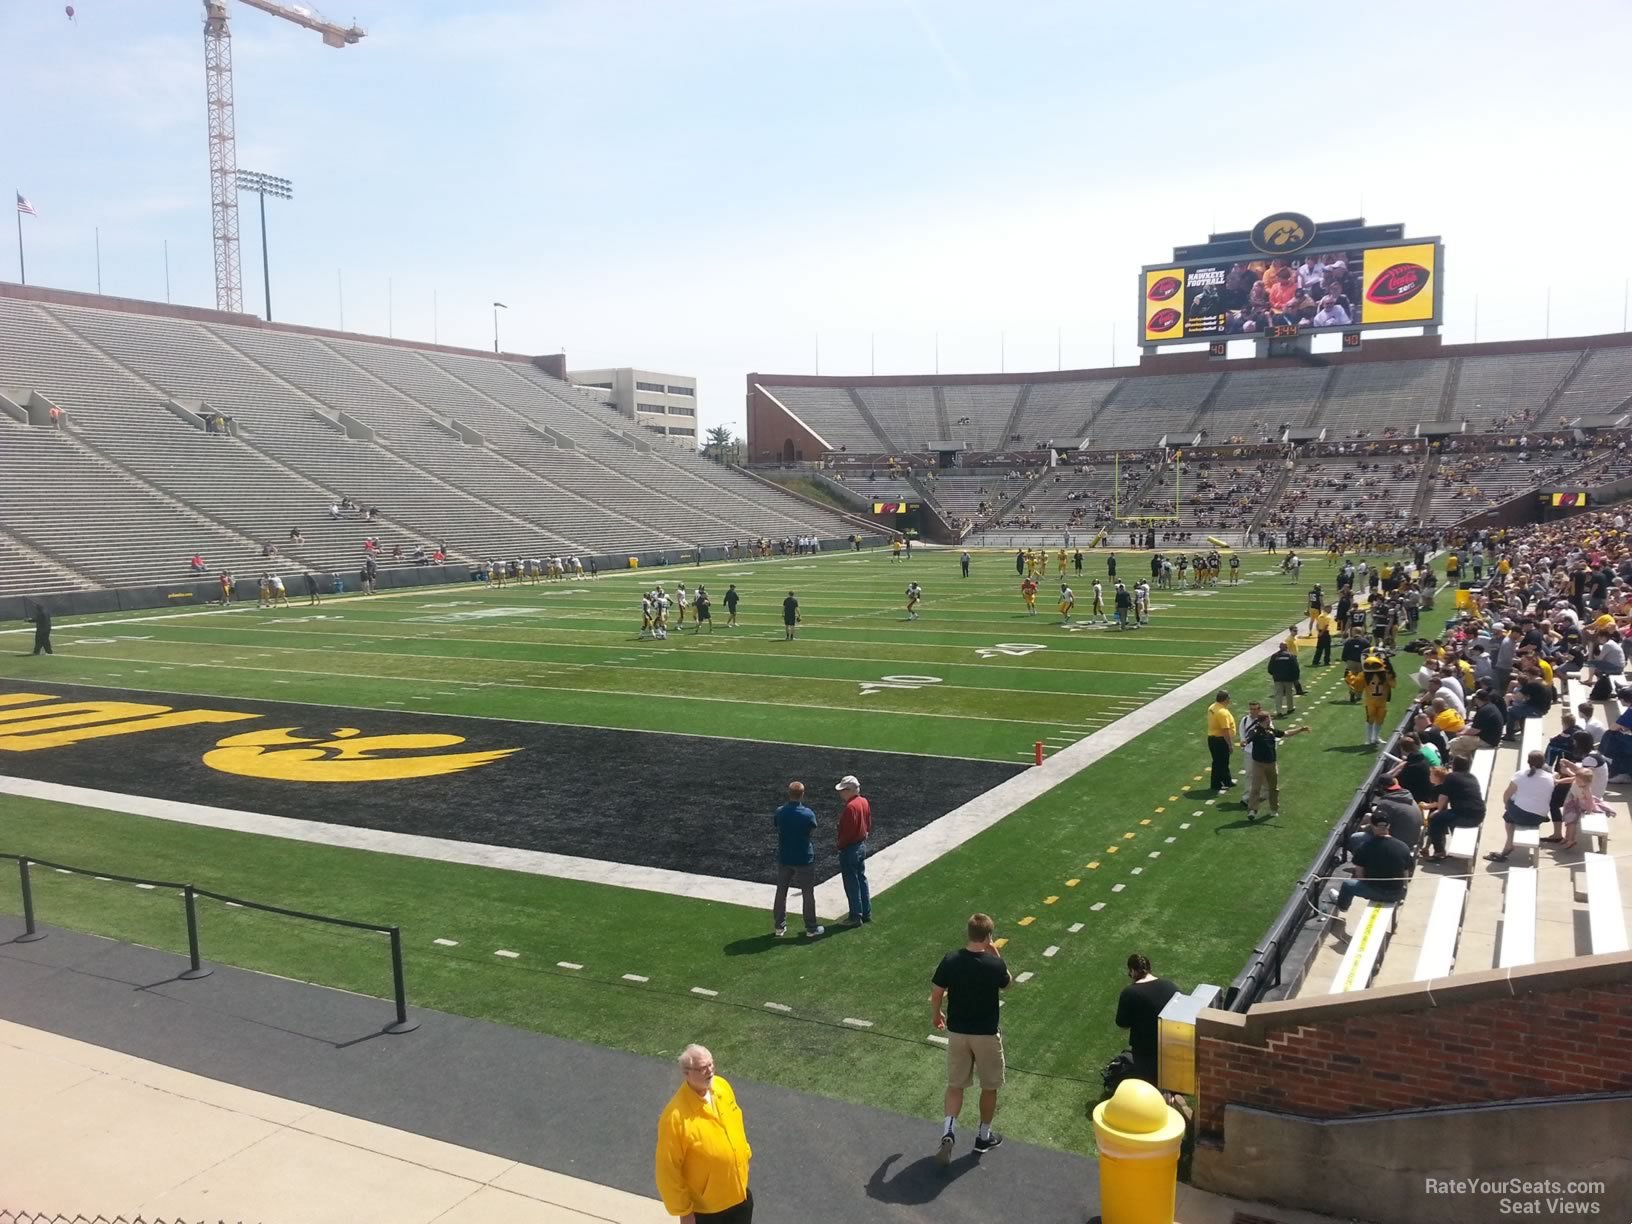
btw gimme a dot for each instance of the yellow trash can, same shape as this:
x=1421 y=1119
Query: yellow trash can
x=634 y=562
x=1464 y=599
x=1139 y=1135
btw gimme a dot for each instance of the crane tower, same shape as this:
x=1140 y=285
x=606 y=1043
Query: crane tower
x=229 y=293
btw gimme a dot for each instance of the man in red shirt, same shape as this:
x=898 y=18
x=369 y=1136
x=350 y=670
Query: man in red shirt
x=855 y=823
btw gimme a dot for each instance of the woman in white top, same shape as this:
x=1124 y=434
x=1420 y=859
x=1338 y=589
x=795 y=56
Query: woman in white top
x=1527 y=799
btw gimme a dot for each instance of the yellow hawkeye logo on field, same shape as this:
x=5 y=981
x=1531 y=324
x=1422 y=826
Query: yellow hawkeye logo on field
x=350 y=756
x=30 y=722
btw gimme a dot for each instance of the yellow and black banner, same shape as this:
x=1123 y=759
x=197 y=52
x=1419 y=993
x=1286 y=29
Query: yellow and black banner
x=1399 y=284
x=1163 y=305
x=1569 y=499
x=886 y=507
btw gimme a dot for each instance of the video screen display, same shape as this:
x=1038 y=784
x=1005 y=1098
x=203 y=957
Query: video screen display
x=1313 y=291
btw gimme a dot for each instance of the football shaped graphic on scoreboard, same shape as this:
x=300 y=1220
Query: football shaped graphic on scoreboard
x=1397 y=283
x=1164 y=289
x=1164 y=320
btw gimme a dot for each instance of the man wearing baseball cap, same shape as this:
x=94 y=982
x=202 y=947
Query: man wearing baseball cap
x=855 y=823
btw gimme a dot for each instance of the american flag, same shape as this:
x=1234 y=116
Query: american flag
x=23 y=206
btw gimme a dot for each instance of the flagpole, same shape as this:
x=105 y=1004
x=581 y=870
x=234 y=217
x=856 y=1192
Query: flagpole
x=22 y=268
x=99 y=260
x=167 y=269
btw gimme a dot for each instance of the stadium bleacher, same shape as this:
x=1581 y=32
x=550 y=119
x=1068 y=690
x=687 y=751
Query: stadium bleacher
x=487 y=455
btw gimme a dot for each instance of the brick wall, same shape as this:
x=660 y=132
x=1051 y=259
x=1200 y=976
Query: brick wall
x=1562 y=1029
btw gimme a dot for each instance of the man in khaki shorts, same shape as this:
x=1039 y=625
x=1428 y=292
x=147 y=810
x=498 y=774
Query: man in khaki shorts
x=974 y=975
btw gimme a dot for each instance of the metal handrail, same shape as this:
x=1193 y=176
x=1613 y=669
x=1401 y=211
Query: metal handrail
x=190 y=894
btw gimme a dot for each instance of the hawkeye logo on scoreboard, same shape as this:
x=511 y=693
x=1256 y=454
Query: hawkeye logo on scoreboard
x=32 y=722
x=1283 y=233
x=883 y=507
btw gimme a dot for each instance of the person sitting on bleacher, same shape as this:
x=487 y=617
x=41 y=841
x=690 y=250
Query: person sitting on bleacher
x=1461 y=805
x=1404 y=816
x=1415 y=772
x=1381 y=862
x=1531 y=697
x=1526 y=801
x=1578 y=803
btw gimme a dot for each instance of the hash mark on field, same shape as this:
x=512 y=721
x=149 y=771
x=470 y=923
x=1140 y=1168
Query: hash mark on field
x=998 y=943
x=1073 y=883
x=779 y=1007
x=936 y=1039
x=1094 y=866
x=1027 y=920
x=1146 y=820
x=1129 y=836
x=1155 y=854
x=446 y=943
x=63 y=871
x=104 y=879
x=1026 y=976
x=149 y=887
x=1050 y=900
x=704 y=991
x=854 y=1023
x=568 y=965
x=1171 y=840
x=1051 y=949
x=1172 y=798
x=1074 y=927
x=1197 y=812
x=635 y=977
x=507 y=954
x=1112 y=849
x=1119 y=887
x=1211 y=802
x=1137 y=871
x=1097 y=906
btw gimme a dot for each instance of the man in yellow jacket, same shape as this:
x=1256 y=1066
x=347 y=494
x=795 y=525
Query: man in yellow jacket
x=702 y=1148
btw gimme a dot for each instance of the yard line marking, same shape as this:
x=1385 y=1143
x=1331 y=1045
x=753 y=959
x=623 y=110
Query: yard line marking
x=1093 y=866
x=998 y=943
x=567 y=965
x=1155 y=854
x=149 y=887
x=1170 y=840
x=1051 y=949
x=1097 y=906
x=62 y=871
x=1050 y=900
x=1146 y=820
x=854 y=1023
x=1119 y=887
x=1073 y=883
x=1112 y=849
x=1172 y=798
x=635 y=977
x=704 y=991
x=1074 y=927
x=104 y=879
x=1137 y=871
x=1211 y=802
x=1025 y=977
x=1197 y=812
x=446 y=943
x=1027 y=920
x=937 y=1040
x=507 y=954
x=233 y=905
x=1129 y=836
x=779 y=1007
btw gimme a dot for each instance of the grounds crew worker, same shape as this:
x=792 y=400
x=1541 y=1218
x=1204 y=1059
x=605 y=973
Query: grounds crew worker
x=41 y=621
x=702 y=1148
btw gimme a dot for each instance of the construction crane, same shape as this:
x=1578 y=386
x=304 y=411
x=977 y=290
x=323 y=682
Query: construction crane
x=229 y=293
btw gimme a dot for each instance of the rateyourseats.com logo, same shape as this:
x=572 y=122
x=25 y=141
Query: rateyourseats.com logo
x=1545 y=1199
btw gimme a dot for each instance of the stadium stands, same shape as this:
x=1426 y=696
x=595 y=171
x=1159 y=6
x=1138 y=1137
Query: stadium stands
x=1502 y=392
x=490 y=456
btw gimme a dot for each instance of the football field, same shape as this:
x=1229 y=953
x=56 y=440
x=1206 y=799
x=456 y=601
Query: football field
x=533 y=722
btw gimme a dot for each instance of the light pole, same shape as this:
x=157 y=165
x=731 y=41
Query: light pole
x=265 y=185
x=497 y=306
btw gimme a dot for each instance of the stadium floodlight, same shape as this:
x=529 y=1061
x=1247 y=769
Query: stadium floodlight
x=265 y=185
x=497 y=306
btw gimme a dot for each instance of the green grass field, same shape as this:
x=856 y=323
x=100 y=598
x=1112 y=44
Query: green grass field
x=1131 y=848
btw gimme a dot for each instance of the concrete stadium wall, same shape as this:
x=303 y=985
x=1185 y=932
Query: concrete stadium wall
x=1272 y=1078
x=771 y=426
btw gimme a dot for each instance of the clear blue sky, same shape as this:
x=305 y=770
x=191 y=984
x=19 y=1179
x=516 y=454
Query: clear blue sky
x=703 y=187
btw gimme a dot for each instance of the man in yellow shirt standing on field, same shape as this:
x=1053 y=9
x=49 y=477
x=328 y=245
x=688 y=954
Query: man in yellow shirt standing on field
x=702 y=1148
x=1221 y=739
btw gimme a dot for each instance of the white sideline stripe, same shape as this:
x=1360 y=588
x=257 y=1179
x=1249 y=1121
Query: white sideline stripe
x=147 y=886
x=854 y=1023
x=62 y=871
x=1051 y=949
x=232 y=905
x=507 y=954
x=1026 y=976
x=446 y=943
x=938 y=1040
x=1074 y=927
x=780 y=1007
x=635 y=977
x=567 y=965
x=705 y=992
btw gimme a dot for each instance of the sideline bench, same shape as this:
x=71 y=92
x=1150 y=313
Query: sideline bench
x=1605 y=916
x=1444 y=925
x=1518 y=919
x=1372 y=928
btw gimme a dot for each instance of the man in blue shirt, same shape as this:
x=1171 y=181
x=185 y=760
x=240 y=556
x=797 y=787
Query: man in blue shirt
x=795 y=860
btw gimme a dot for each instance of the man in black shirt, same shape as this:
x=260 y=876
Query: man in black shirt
x=973 y=976
x=1460 y=805
x=790 y=614
x=731 y=601
x=1381 y=865
x=1137 y=1009
x=41 y=621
